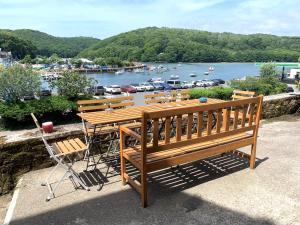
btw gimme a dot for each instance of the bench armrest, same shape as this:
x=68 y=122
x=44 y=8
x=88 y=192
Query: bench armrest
x=130 y=132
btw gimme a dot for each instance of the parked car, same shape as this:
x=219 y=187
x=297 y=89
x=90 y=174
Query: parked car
x=187 y=84
x=138 y=87
x=176 y=84
x=158 y=86
x=97 y=90
x=289 y=89
x=113 y=89
x=200 y=83
x=45 y=92
x=219 y=81
x=147 y=86
x=29 y=96
x=128 y=89
x=167 y=87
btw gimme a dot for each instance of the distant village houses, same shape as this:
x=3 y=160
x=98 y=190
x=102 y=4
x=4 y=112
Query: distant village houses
x=6 y=58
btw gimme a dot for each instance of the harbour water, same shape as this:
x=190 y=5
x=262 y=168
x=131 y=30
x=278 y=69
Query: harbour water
x=225 y=71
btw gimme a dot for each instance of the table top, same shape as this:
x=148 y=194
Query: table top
x=135 y=112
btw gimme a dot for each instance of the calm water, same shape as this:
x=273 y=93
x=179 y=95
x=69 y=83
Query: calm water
x=225 y=71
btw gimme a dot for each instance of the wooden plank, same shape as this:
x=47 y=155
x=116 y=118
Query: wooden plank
x=219 y=121
x=122 y=104
x=236 y=118
x=250 y=114
x=244 y=114
x=178 y=127
x=93 y=101
x=80 y=143
x=209 y=122
x=167 y=130
x=190 y=125
x=197 y=155
x=92 y=108
x=226 y=119
x=75 y=145
x=62 y=147
x=68 y=146
x=199 y=123
x=133 y=183
x=155 y=133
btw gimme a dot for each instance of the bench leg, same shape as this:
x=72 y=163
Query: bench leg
x=144 y=188
x=253 y=156
x=123 y=169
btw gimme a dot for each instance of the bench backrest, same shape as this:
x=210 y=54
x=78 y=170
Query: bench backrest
x=238 y=94
x=160 y=97
x=188 y=125
x=102 y=104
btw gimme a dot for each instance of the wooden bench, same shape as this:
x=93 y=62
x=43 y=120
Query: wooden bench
x=188 y=146
x=160 y=97
x=238 y=94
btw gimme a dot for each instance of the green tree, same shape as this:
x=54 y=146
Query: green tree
x=100 y=61
x=268 y=70
x=17 y=82
x=27 y=60
x=72 y=84
x=76 y=62
x=54 y=58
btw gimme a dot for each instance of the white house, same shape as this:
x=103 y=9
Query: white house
x=5 y=58
x=294 y=73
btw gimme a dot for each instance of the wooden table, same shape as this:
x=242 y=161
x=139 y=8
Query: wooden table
x=100 y=118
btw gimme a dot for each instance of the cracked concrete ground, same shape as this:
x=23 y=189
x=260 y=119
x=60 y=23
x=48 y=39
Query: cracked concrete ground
x=219 y=190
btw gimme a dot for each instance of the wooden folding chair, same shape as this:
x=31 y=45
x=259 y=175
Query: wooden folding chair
x=64 y=154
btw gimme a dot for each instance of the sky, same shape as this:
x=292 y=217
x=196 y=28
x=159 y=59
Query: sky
x=105 y=18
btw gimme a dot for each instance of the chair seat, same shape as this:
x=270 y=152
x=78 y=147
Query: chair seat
x=133 y=154
x=101 y=130
x=69 y=146
x=133 y=125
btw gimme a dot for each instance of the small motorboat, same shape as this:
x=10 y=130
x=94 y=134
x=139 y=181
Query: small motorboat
x=206 y=73
x=193 y=75
x=174 y=77
x=119 y=72
x=211 y=68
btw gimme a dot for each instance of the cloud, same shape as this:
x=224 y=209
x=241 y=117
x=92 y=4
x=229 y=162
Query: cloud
x=101 y=18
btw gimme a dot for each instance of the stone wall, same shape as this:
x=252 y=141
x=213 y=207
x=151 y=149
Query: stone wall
x=20 y=154
x=281 y=104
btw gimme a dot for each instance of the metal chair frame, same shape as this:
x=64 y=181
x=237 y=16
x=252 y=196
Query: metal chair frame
x=61 y=161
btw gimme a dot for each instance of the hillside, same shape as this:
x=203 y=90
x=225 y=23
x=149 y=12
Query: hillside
x=17 y=46
x=185 y=45
x=46 y=44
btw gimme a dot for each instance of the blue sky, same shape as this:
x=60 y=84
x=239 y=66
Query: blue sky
x=101 y=19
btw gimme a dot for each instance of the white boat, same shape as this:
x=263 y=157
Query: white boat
x=119 y=72
x=139 y=71
x=193 y=75
x=157 y=80
x=211 y=68
x=178 y=64
x=174 y=77
x=206 y=73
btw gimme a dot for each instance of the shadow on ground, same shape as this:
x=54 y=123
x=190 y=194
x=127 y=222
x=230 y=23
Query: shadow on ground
x=168 y=203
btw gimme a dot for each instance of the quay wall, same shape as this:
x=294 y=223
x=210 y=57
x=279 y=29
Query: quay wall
x=20 y=156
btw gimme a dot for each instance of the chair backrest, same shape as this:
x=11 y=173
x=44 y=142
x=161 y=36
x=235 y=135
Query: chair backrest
x=121 y=102
x=102 y=104
x=191 y=125
x=92 y=105
x=238 y=94
x=183 y=95
x=159 y=97
x=50 y=150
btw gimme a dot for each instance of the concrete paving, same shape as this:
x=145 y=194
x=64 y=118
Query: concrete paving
x=219 y=190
